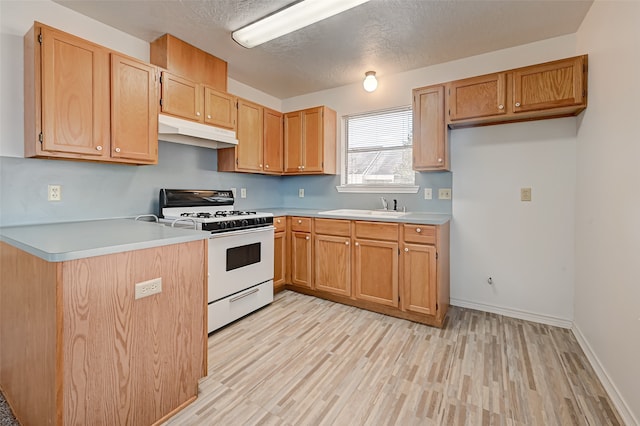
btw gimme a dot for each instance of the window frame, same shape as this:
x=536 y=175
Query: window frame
x=389 y=188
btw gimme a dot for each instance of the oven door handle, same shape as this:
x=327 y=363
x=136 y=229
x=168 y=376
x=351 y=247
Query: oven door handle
x=243 y=232
x=242 y=296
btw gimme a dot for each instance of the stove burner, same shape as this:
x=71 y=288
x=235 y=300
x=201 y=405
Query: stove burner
x=204 y=215
x=232 y=213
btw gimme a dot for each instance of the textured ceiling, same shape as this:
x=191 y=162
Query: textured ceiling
x=388 y=36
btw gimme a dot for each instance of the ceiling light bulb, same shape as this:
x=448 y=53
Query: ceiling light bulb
x=370 y=83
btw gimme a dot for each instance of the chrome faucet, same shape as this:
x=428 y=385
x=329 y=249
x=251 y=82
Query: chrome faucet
x=385 y=205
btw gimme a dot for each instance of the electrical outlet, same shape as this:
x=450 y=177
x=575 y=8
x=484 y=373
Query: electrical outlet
x=243 y=192
x=525 y=194
x=301 y=192
x=444 y=193
x=55 y=193
x=147 y=288
x=428 y=194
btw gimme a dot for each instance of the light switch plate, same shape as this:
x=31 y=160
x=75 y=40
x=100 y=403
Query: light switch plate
x=243 y=192
x=301 y=192
x=444 y=193
x=525 y=194
x=428 y=194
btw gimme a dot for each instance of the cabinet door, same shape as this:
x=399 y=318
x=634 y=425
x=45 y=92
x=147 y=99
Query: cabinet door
x=273 y=141
x=430 y=150
x=219 y=108
x=301 y=259
x=279 y=257
x=419 y=278
x=312 y=140
x=293 y=142
x=475 y=97
x=249 y=133
x=181 y=97
x=376 y=271
x=333 y=264
x=550 y=85
x=75 y=95
x=134 y=110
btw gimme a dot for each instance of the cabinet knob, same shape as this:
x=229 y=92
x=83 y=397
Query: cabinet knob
x=302 y=167
x=117 y=149
x=517 y=104
x=346 y=243
x=418 y=230
x=306 y=238
x=299 y=221
x=299 y=167
x=198 y=114
x=260 y=165
x=98 y=148
x=277 y=220
x=266 y=166
x=208 y=115
x=439 y=160
x=357 y=244
x=406 y=249
x=500 y=106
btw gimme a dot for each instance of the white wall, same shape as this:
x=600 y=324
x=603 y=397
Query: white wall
x=526 y=247
x=607 y=300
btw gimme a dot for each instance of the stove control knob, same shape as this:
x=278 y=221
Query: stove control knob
x=244 y=222
x=222 y=225
x=232 y=224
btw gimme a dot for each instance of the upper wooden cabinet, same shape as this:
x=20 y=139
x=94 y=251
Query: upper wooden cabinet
x=551 y=85
x=85 y=102
x=310 y=141
x=185 y=60
x=273 y=155
x=482 y=96
x=548 y=90
x=430 y=135
x=187 y=99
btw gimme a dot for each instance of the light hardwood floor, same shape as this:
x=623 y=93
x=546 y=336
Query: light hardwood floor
x=307 y=361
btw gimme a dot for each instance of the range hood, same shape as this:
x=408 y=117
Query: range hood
x=177 y=130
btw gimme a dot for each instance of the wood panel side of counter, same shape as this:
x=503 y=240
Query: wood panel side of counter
x=30 y=376
x=133 y=361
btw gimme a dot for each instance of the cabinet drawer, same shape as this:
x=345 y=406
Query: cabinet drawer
x=423 y=234
x=280 y=223
x=301 y=224
x=377 y=231
x=333 y=227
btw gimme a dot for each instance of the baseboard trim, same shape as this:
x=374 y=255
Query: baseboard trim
x=611 y=389
x=513 y=313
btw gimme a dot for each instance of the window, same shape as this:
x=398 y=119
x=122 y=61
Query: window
x=378 y=152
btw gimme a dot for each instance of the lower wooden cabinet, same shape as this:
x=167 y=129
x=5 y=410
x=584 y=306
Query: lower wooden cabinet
x=396 y=269
x=376 y=271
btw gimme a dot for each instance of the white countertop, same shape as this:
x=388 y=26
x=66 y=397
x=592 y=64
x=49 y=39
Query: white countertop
x=58 y=242
x=422 y=218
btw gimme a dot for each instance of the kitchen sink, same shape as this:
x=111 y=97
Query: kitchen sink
x=364 y=213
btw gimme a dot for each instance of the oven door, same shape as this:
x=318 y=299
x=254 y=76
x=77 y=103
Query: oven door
x=239 y=260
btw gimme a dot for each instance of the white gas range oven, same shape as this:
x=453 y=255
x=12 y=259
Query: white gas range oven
x=240 y=250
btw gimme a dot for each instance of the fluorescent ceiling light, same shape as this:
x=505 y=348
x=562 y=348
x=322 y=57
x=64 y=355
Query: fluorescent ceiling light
x=292 y=18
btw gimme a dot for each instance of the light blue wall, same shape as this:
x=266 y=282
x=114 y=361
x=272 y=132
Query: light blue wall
x=96 y=191
x=320 y=192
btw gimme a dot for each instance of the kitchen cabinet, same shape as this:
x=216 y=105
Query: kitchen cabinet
x=398 y=269
x=187 y=99
x=273 y=162
x=419 y=267
x=430 y=133
x=79 y=348
x=259 y=149
x=482 y=96
x=301 y=272
x=86 y=102
x=549 y=90
x=280 y=253
x=310 y=141
x=332 y=256
x=376 y=262
x=549 y=86
x=187 y=61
